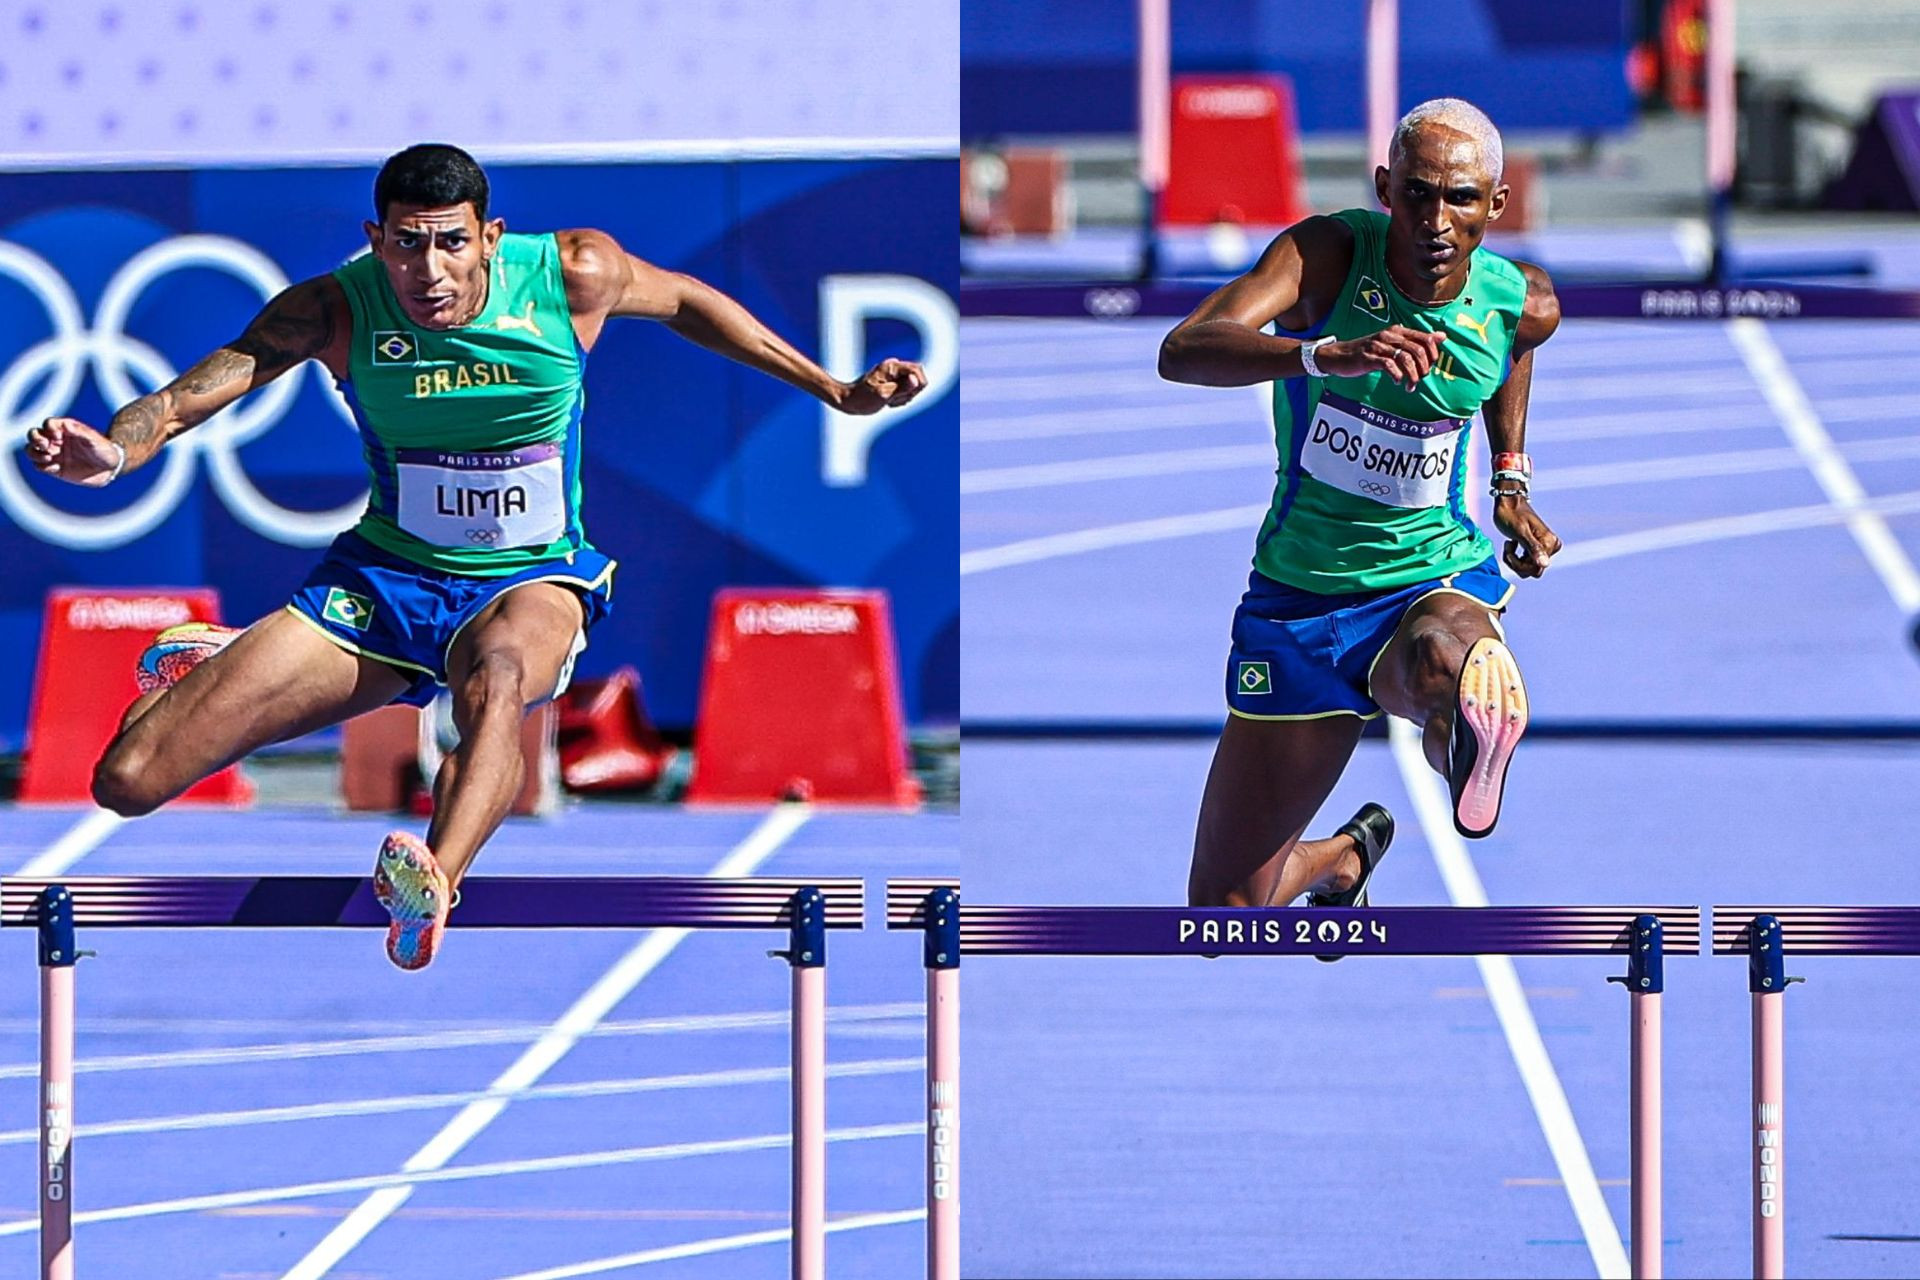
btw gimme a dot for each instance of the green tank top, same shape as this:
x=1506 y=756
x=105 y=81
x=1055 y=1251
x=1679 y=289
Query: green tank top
x=1371 y=489
x=471 y=435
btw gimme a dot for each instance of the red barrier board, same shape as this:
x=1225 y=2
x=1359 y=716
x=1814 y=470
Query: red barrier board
x=1235 y=153
x=801 y=700
x=89 y=642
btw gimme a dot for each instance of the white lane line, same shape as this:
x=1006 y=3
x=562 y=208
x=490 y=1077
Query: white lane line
x=82 y=838
x=401 y=1103
x=1183 y=416
x=1690 y=533
x=1725 y=528
x=1125 y=466
x=719 y=1244
x=840 y=1019
x=1044 y=388
x=1809 y=435
x=1511 y=1007
x=466 y=1173
x=1245 y=519
x=1692 y=466
x=598 y=1001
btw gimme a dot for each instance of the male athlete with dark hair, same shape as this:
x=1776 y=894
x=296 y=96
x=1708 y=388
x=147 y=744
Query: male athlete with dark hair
x=461 y=349
x=1371 y=588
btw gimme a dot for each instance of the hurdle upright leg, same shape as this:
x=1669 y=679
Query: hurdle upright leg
x=55 y=906
x=1767 y=981
x=943 y=1084
x=1645 y=981
x=807 y=954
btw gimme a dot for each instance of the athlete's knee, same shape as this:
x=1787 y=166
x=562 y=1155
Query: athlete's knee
x=122 y=783
x=496 y=685
x=1435 y=659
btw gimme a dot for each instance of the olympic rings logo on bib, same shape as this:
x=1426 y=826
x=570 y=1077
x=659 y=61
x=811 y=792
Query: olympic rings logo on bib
x=124 y=368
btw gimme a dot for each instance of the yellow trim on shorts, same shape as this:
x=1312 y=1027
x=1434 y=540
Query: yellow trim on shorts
x=1443 y=589
x=1311 y=715
x=355 y=649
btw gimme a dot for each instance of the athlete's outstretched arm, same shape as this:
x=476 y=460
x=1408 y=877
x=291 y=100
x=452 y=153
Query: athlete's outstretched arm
x=605 y=280
x=1530 y=543
x=1297 y=281
x=299 y=323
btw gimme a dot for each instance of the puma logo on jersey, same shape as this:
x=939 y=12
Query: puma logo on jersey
x=526 y=321
x=1479 y=327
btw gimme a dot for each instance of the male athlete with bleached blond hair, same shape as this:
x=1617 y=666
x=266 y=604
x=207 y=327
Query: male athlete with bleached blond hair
x=1372 y=590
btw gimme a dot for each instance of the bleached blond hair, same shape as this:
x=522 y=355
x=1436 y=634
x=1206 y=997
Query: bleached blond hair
x=1457 y=114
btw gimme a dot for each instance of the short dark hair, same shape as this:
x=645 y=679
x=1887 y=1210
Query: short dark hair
x=430 y=174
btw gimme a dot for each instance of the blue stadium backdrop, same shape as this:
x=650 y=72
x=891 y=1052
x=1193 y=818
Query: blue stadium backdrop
x=1065 y=66
x=698 y=474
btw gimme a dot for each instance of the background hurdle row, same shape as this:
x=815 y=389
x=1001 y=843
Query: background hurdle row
x=806 y=910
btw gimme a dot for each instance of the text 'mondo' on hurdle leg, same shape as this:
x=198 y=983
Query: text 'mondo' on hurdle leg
x=57 y=959
x=1645 y=980
x=932 y=907
x=805 y=910
x=1767 y=980
x=1643 y=934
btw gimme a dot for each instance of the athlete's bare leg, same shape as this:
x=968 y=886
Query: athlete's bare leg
x=506 y=660
x=278 y=680
x=1418 y=673
x=139 y=707
x=1269 y=778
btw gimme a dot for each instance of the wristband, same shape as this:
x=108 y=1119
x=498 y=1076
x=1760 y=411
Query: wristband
x=119 y=466
x=1307 y=362
x=1513 y=462
x=1509 y=484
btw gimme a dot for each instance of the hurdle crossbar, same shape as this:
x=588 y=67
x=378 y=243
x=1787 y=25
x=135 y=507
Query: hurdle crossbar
x=1642 y=934
x=1765 y=935
x=1405 y=931
x=932 y=908
x=804 y=909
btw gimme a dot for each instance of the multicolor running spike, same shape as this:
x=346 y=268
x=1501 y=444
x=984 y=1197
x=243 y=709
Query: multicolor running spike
x=178 y=650
x=1489 y=716
x=410 y=885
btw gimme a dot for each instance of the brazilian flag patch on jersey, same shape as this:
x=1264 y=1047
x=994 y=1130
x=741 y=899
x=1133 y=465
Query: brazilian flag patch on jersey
x=1253 y=678
x=390 y=346
x=1370 y=298
x=347 y=609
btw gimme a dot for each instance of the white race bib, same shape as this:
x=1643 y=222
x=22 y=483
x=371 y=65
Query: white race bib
x=513 y=498
x=1375 y=454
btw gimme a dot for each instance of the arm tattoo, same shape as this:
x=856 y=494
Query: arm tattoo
x=138 y=428
x=217 y=370
x=296 y=326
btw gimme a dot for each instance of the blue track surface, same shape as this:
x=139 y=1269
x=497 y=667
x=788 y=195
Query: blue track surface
x=299 y=1020
x=1255 y=1118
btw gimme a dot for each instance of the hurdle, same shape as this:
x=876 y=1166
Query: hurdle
x=805 y=909
x=932 y=907
x=1643 y=935
x=1764 y=935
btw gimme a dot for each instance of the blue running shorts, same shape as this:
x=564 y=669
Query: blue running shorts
x=373 y=603
x=1299 y=655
